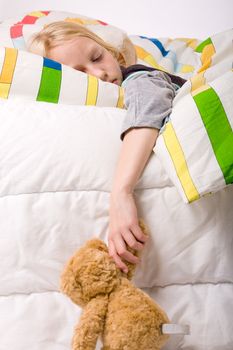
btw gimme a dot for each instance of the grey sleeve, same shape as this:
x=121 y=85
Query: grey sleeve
x=148 y=100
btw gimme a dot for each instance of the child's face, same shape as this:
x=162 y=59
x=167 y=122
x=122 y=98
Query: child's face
x=88 y=56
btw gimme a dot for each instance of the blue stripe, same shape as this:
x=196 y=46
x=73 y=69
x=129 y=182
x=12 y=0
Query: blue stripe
x=157 y=43
x=51 y=64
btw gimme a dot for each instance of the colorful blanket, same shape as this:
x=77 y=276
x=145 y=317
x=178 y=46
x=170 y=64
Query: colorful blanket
x=196 y=146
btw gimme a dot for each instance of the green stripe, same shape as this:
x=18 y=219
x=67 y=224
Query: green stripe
x=218 y=129
x=204 y=43
x=49 y=85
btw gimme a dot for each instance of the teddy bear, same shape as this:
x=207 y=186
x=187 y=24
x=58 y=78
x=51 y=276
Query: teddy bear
x=113 y=307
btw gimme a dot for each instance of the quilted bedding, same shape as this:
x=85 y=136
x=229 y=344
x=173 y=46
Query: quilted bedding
x=57 y=162
x=56 y=166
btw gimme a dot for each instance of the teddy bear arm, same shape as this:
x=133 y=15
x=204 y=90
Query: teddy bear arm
x=91 y=324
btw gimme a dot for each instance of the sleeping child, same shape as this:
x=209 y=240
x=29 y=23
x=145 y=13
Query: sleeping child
x=148 y=94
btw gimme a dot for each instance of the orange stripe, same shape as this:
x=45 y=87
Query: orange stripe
x=8 y=65
x=7 y=72
x=198 y=81
x=206 y=57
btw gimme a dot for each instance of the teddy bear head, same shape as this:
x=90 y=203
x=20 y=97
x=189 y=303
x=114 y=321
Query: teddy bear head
x=90 y=272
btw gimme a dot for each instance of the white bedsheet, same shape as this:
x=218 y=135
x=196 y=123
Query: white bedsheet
x=56 y=166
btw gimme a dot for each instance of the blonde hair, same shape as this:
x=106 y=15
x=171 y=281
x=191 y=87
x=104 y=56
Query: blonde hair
x=56 y=33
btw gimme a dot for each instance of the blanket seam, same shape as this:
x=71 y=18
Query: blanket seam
x=144 y=288
x=78 y=190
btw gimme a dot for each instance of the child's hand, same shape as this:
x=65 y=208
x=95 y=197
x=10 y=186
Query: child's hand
x=124 y=229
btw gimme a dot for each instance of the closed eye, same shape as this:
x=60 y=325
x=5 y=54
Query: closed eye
x=96 y=59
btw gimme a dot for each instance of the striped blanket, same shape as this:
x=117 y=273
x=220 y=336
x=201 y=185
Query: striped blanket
x=196 y=145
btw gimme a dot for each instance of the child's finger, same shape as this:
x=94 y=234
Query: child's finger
x=116 y=258
x=122 y=251
x=129 y=257
x=132 y=242
x=138 y=234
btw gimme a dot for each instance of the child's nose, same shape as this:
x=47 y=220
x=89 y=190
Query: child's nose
x=99 y=73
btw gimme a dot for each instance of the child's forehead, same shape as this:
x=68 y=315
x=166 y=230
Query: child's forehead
x=75 y=46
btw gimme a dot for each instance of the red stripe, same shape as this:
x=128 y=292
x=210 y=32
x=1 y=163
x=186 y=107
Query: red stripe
x=45 y=12
x=29 y=19
x=16 y=31
x=103 y=23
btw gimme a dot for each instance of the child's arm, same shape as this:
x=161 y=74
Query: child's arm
x=148 y=100
x=123 y=225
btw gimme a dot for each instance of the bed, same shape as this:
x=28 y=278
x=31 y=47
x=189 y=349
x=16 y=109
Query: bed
x=57 y=162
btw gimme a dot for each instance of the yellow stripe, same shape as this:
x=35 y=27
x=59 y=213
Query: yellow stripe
x=200 y=89
x=147 y=57
x=92 y=90
x=36 y=14
x=206 y=56
x=176 y=153
x=7 y=72
x=4 y=90
x=189 y=42
x=186 y=68
x=8 y=65
x=150 y=59
x=81 y=21
x=141 y=53
x=197 y=81
x=120 y=102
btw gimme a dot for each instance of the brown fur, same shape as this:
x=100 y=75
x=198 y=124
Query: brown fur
x=125 y=317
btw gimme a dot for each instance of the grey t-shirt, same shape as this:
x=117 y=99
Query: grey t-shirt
x=148 y=99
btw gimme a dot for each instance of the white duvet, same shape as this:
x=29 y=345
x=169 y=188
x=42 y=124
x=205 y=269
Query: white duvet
x=56 y=166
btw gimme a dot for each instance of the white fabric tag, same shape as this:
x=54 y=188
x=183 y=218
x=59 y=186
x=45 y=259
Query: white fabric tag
x=172 y=328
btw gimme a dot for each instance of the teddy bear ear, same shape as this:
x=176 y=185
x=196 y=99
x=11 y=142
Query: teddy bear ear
x=97 y=244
